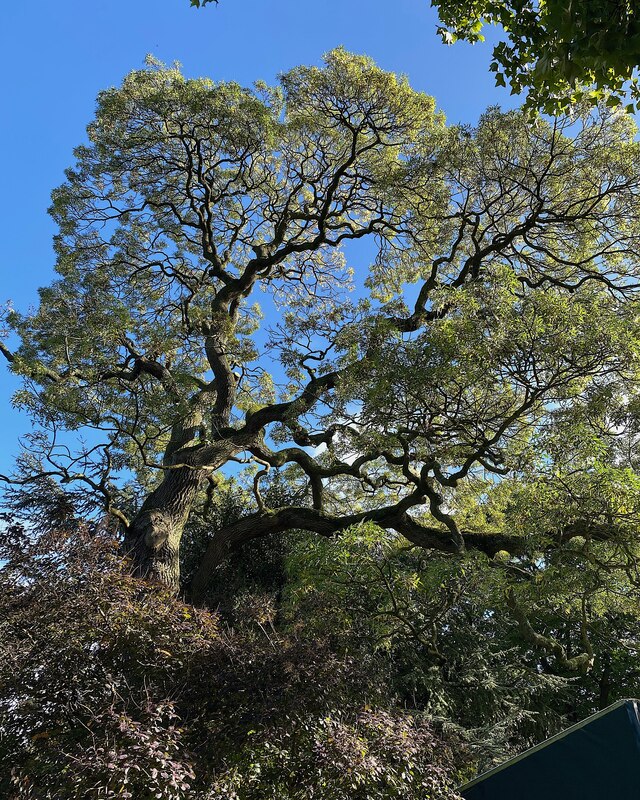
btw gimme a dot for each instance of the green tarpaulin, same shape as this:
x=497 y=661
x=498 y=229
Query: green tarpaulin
x=597 y=759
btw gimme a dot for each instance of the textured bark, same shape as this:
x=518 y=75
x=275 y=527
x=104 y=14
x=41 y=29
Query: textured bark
x=153 y=538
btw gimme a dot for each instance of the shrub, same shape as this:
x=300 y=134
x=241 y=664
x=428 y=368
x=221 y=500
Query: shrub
x=110 y=688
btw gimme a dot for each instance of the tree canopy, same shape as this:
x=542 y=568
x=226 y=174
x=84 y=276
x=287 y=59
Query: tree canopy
x=488 y=350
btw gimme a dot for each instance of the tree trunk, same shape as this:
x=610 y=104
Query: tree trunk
x=153 y=538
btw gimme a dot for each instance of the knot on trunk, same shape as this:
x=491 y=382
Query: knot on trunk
x=155 y=528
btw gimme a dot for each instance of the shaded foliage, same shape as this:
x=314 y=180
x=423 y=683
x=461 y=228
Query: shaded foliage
x=110 y=688
x=452 y=643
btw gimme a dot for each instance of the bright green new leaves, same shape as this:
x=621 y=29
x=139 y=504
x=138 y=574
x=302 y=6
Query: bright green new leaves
x=524 y=311
x=485 y=379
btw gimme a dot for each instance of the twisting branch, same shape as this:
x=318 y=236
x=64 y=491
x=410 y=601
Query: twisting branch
x=580 y=663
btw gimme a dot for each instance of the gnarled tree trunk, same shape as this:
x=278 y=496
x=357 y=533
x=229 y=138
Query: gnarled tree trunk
x=153 y=539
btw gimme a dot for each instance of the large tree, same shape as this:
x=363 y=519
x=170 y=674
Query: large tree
x=491 y=340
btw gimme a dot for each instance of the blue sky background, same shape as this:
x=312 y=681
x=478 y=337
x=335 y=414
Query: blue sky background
x=59 y=55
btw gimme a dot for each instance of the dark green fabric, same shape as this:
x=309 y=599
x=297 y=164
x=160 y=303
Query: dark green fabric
x=597 y=761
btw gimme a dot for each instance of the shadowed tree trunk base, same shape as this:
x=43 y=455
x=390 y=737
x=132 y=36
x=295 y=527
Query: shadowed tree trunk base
x=152 y=541
x=153 y=545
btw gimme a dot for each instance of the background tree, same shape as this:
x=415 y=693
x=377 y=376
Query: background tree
x=561 y=53
x=499 y=303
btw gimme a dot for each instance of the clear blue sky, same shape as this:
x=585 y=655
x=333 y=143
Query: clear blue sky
x=60 y=53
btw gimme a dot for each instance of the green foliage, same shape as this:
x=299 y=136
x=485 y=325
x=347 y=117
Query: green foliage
x=191 y=194
x=561 y=53
x=449 y=637
x=439 y=624
x=370 y=755
x=139 y=286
